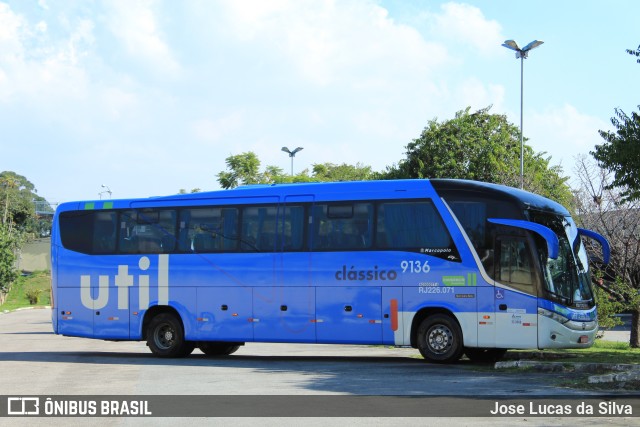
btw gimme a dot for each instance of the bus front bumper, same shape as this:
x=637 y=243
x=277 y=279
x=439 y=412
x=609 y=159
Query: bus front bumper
x=554 y=334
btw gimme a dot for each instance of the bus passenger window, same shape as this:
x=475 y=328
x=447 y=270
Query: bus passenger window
x=259 y=229
x=149 y=231
x=291 y=228
x=104 y=232
x=342 y=227
x=208 y=230
x=75 y=226
x=414 y=226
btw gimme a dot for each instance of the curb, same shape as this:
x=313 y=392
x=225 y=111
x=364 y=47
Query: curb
x=633 y=375
x=39 y=307
x=566 y=366
x=625 y=372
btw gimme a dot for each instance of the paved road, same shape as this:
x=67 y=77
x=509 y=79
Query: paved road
x=34 y=361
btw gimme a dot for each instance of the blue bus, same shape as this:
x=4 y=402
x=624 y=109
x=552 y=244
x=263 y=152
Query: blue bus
x=449 y=267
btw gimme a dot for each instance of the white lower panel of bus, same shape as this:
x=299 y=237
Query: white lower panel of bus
x=500 y=330
x=467 y=323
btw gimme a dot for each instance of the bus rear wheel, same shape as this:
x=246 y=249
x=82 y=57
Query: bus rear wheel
x=165 y=337
x=440 y=339
x=218 y=348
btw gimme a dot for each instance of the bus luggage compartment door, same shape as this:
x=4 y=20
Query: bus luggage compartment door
x=284 y=314
x=350 y=314
x=74 y=319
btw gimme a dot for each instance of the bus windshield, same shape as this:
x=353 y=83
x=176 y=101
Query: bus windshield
x=566 y=278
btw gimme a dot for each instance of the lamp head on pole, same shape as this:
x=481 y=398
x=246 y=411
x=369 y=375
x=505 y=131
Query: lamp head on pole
x=291 y=153
x=524 y=52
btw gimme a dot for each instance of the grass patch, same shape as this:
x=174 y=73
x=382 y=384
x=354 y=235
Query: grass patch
x=37 y=284
x=601 y=352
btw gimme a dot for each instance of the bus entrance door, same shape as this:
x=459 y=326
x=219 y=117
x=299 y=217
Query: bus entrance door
x=516 y=319
x=515 y=302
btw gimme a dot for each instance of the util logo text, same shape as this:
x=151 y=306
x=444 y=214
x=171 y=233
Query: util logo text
x=123 y=281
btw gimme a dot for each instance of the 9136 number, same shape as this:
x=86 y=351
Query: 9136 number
x=415 y=266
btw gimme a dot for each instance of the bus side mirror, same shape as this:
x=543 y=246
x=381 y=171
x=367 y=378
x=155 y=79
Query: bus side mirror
x=606 y=249
x=553 y=244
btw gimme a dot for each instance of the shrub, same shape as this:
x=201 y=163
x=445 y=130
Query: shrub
x=33 y=295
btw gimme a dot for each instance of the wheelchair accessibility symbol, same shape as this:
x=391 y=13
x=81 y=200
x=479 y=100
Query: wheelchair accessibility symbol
x=499 y=294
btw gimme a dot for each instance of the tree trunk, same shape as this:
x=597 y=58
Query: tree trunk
x=634 y=340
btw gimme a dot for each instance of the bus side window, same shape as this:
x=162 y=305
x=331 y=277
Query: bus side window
x=414 y=226
x=342 y=226
x=208 y=230
x=104 y=232
x=147 y=231
x=291 y=228
x=77 y=231
x=127 y=241
x=259 y=229
x=515 y=266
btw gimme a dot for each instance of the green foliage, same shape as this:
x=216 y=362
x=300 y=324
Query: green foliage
x=8 y=247
x=608 y=306
x=244 y=169
x=17 y=208
x=479 y=146
x=33 y=294
x=17 y=298
x=614 y=298
x=329 y=172
x=620 y=153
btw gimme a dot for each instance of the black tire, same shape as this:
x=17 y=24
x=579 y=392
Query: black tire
x=440 y=339
x=218 y=348
x=485 y=355
x=165 y=337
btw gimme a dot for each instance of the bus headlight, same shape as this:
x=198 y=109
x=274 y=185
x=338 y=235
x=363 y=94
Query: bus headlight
x=571 y=324
x=553 y=315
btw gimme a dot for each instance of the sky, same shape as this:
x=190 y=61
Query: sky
x=144 y=98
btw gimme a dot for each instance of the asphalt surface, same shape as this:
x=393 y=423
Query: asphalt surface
x=34 y=361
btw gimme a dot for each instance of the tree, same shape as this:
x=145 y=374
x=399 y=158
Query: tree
x=620 y=153
x=243 y=169
x=329 y=172
x=17 y=221
x=601 y=207
x=17 y=197
x=8 y=250
x=483 y=147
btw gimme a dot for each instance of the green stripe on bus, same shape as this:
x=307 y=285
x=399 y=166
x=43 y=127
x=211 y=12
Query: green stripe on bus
x=453 y=280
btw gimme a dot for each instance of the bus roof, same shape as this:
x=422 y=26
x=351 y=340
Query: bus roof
x=524 y=199
x=348 y=190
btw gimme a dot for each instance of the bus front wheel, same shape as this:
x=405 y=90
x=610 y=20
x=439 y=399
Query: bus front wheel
x=440 y=339
x=165 y=337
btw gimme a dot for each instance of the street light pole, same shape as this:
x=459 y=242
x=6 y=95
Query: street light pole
x=292 y=154
x=108 y=190
x=522 y=54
